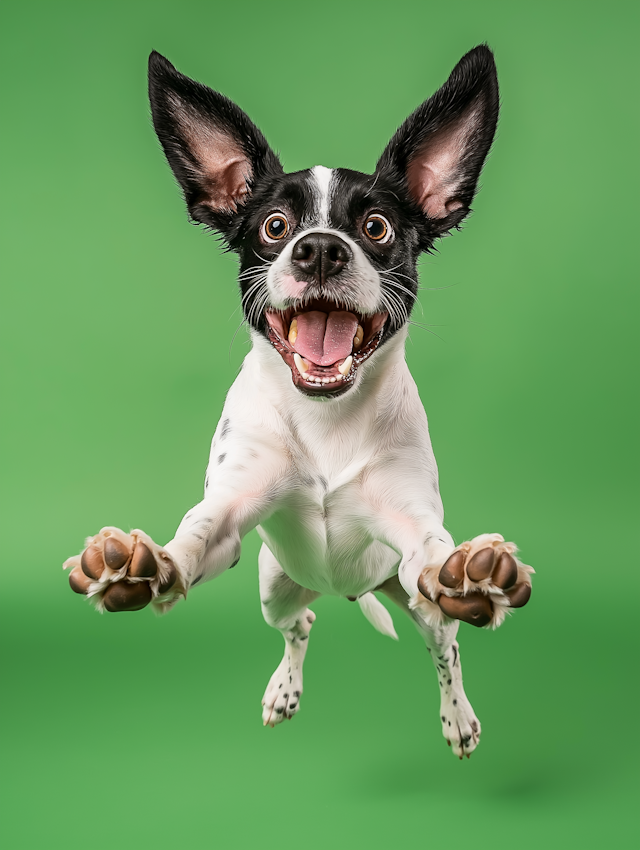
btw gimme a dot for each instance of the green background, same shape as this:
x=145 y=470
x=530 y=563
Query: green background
x=118 y=317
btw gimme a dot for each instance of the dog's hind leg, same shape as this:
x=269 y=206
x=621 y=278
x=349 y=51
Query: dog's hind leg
x=284 y=606
x=460 y=726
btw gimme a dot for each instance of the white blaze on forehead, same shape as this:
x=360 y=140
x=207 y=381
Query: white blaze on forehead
x=321 y=177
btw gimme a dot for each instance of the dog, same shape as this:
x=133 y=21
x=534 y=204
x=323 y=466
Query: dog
x=323 y=444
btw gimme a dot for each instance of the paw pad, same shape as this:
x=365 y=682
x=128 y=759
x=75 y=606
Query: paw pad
x=122 y=572
x=479 y=582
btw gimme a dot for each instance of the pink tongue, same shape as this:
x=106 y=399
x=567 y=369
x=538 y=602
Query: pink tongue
x=324 y=339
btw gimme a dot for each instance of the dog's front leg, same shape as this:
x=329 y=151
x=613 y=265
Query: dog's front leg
x=124 y=572
x=480 y=581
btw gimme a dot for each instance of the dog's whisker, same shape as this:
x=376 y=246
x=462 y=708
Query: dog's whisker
x=233 y=338
x=427 y=329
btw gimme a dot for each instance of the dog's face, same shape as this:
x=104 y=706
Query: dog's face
x=328 y=256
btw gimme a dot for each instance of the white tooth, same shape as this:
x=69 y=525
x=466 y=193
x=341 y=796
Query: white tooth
x=357 y=340
x=333 y=380
x=300 y=364
x=293 y=331
x=343 y=368
x=325 y=380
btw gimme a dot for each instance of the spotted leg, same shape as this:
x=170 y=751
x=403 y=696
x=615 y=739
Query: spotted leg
x=460 y=726
x=284 y=605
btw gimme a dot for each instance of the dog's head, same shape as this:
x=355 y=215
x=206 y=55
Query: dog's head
x=328 y=256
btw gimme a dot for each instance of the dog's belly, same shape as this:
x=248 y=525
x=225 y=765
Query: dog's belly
x=326 y=548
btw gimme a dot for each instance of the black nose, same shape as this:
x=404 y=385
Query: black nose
x=321 y=254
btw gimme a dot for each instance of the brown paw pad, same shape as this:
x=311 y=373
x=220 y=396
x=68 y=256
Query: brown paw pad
x=474 y=608
x=169 y=581
x=92 y=562
x=143 y=563
x=79 y=581
x=452 y=573
x=519 y=595
x=501 y=568
x=127 y=596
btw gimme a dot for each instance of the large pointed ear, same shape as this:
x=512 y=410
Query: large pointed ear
x=215 y=151
x=440 y=149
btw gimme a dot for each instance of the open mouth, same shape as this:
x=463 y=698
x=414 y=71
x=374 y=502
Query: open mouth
x=324 y=345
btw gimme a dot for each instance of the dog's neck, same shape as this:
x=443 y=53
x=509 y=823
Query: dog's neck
x=317 y=423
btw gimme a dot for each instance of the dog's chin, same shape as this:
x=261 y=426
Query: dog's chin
x=324 y=345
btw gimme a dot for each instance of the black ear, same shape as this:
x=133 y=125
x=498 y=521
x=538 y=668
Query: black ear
x=440 y=149
x=215 y=151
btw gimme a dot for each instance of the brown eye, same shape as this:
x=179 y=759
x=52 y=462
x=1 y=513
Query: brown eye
x=378 y=228
x=275 y=227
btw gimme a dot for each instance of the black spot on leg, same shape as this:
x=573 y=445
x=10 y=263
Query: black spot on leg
x=206 y=482
x=449 y=722
x=441 y=666
x=323 y=481
x=296 y=693
x=448 y=681
x=280 y=685
x=235 y=563
x=455 y=656
x=455 y=702
x=292 y=704
x=279 y=710
x=226 y=427
x=221 y=457
x=443 y=718
x=290 y=680
x=199 y=536
x=285 y=696
x=196 y=580
x=305 y=637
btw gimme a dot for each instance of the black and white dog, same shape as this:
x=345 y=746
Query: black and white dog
x=323 y=444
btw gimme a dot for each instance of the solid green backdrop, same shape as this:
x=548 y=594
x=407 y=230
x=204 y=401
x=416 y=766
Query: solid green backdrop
x=134 y=731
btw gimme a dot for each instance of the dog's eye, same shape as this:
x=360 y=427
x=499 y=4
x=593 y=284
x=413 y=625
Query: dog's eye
x=275 y=227
x=377 y=228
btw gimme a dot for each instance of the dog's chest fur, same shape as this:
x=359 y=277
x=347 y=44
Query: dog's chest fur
x=333 y=466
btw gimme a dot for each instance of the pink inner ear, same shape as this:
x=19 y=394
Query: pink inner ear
x=222 y=164
x=225 y=180
x=433 y=172
x=225 y=169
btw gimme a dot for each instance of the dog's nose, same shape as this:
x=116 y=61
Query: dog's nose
x=321 y=254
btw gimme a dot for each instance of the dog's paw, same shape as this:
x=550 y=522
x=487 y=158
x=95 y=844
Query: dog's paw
x=460 y=726
x=281 y=700
x=124 y=572
x=480 y=583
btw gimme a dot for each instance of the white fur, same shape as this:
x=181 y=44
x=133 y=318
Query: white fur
x=377 y=615
x=322 y=178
